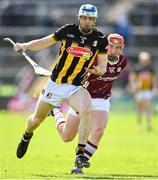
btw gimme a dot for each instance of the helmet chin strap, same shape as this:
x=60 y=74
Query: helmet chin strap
x=112 y=59
x=86 y=30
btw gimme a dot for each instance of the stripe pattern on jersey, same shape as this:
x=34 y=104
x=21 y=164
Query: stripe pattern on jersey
x=71 y=68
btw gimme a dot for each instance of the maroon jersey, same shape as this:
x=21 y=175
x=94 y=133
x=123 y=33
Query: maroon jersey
x=100 y=86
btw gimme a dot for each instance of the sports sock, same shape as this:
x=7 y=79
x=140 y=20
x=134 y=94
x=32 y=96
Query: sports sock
x=27 y=136
x=89 y=150
x=80 y=149
x=59 y=117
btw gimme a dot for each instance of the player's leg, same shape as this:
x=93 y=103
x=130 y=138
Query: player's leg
x=99 y=121
x=41 y=111
x=81 y=103
x=139 y=111
x=67 y=127
x=100 y=116
x=79 y=99
x=70 y=128
x=139 y=106
x=148 y=111
x=66 y=120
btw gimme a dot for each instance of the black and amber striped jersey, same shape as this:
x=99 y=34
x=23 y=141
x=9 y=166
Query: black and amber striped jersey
x=77 y=52
x=145 y=77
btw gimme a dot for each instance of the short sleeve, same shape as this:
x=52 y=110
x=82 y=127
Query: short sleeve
x=103 y=42
x=60 y=33
x=124 y=63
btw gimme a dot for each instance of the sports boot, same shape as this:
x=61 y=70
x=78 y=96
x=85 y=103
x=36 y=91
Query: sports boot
x=22 y=146
x=81 y=161
x=77 y=170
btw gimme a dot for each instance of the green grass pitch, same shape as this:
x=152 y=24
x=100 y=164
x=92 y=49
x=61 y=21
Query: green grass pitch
x=124 y=152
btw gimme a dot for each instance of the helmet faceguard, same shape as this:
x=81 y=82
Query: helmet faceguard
x=88 y=11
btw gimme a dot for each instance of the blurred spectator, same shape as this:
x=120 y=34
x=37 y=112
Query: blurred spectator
x=122 y=26
x=154 y=13
x=54 y=18
x=17 y=14
x=22 y=100
x=117 y=16
x=151 y=8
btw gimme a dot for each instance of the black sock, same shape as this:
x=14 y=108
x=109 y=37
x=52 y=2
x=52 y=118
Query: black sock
x=27 y=136
x=80 y=149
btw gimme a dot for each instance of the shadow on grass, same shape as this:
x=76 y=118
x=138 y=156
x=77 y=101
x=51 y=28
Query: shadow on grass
x=106 y=176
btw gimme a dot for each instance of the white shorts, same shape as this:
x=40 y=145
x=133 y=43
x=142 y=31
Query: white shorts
x=97 y=104
x=54 y=93
x=143 y=95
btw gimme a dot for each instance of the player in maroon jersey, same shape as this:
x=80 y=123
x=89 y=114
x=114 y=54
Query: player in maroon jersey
x=100 y=90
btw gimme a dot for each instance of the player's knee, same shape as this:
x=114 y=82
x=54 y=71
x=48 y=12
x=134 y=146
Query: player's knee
x=68 y=138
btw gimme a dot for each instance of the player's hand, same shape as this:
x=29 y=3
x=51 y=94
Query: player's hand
x=97 y=70
x=19 y=47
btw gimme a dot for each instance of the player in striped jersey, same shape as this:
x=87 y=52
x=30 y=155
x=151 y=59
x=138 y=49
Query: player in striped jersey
x=80 y=44
x=100 y=91
x=142 y=82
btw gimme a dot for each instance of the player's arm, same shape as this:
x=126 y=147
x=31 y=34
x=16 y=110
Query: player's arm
x=102 y=57
x=37 y=44
x=133 y=83
x=102 y=64
x=100 y=69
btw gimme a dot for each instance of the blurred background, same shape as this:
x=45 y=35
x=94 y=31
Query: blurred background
x=24 y=20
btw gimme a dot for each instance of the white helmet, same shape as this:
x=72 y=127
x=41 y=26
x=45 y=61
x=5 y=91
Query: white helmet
x=88 y=10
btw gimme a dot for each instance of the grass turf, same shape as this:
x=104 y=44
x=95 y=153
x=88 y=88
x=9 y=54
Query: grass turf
x=124 y=152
